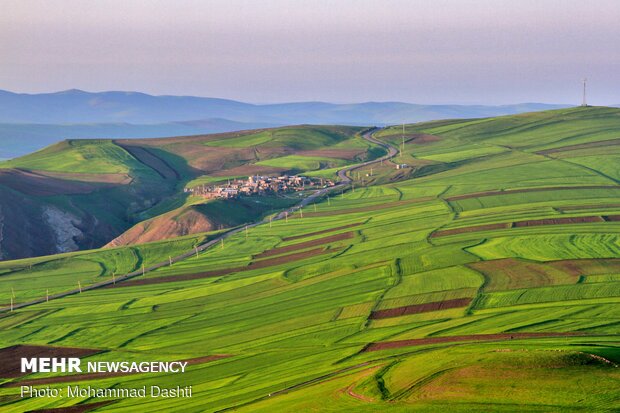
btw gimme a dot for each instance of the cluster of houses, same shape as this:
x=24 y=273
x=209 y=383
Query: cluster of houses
x=259 y=185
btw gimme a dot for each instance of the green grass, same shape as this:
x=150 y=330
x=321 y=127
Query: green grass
x=296 y=329
x=303 y=163
x=80 y=156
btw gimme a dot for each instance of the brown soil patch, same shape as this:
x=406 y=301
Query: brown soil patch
x=369 y=208
x=475 y=228
x=269 y=262
x=610 y=142
x=212 y=159
x=311 y=234
x=117 y=179
x=32 y=183
x=78 y=408
x=347 y=154
x=524 y=190
x=511 y=273
x=422 y=138
x=416 y=138
x=528 y=223
x=386 y=345
x=284 y=259
x=420 y=308
x=578 y=267
x=207 y=359
x=557 y=221
x=182 y=277
x=152 y=161
x=307 y=244
x=10 y=357
x=176 y=223
x=248 y=170
x=94 y=376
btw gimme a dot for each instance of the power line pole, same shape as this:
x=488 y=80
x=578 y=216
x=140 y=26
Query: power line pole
x=402 y=146
x=47 y=295
x=80 y=287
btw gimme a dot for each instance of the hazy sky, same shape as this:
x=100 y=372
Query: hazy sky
x=340 y=50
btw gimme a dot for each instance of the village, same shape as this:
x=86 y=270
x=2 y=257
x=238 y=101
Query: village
x=259 y=185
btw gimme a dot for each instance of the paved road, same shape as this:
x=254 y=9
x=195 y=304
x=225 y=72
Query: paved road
x=344 y=181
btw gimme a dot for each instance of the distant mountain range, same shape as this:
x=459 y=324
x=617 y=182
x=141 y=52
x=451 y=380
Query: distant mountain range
x=18 y=139
x=31 y=121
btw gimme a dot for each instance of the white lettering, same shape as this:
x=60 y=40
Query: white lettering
x=29 y=364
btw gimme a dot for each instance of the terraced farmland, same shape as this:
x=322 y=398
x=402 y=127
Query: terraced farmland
x=359 y=305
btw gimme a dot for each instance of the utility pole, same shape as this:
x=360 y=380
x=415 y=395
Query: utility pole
x=47 y=295
x=11 y=304
x=328 y=201
x=142 y=269
x=270 y=218
x=222 y=243
x=286 y=216
x=170 y=260
x=246 y=232
x=12 y=292
x=195 y=250
x=80 y=287
x=301 y=212
x=402 y=146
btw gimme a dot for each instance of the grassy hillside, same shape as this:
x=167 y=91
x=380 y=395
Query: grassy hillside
x=487 y=279
x=84 y=193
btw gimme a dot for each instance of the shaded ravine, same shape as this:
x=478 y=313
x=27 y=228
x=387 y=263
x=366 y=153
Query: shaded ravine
x=345 y=180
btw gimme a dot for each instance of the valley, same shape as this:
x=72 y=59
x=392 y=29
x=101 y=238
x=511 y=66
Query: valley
x=484 y=277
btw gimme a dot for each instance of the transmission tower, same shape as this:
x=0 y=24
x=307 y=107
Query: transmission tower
x=583 y=101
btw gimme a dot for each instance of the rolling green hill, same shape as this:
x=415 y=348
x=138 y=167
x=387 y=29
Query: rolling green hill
x=84 y=193
x=486 y=277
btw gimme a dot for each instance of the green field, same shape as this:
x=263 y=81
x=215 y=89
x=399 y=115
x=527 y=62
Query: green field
x=104 y=188
x=360 y=305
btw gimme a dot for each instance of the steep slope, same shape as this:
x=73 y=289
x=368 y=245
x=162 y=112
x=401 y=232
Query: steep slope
x=84 y=193
x=200 y=217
